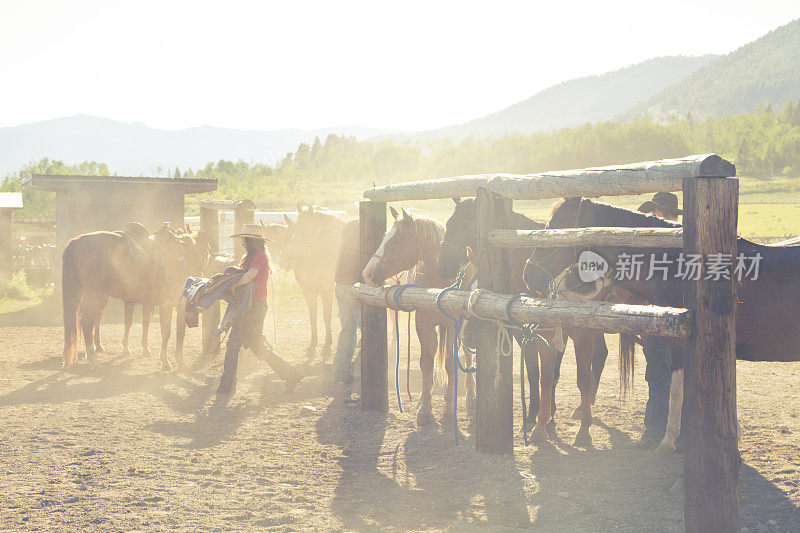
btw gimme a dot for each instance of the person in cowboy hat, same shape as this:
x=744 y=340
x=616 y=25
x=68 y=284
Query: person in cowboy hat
x=247 y=330
x=663 y=205
x=657 y=350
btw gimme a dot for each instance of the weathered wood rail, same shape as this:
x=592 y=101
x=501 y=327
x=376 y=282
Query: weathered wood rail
x=553 y=238
x=670 y=322
x=638 y=178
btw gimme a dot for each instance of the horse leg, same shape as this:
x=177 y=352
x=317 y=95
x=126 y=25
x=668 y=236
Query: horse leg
x=147 y=313
x=165 y=319
x=97 y=346
x=427 y=341
x=128 y=306
x=531 y=355
x=311 y=303
x=92 y=308
x=584 y=350
x=674 y=416
x=327 y=308
x=556 y=377
x=599 y=356
x=180 y=333
x=548 y=360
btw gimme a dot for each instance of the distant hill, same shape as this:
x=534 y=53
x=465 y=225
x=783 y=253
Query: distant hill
x=135 y=149
x=578 y=101
x=766 y=71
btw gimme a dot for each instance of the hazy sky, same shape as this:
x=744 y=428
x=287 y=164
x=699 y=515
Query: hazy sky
x=409 y=65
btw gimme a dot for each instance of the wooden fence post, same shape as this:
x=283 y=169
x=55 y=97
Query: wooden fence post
x=209 y=224
x=494 y=428
x=243 y=213
x=711 y=465
x=374 y=352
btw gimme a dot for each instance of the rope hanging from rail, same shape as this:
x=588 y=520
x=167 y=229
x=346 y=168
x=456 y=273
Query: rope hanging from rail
x=398 y=291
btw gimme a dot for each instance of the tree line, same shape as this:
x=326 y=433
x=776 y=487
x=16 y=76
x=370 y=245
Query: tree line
x=761 y=144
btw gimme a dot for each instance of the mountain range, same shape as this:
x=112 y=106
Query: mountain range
x=765 y=71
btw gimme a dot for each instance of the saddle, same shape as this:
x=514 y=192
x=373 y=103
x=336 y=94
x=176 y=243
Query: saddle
x=140 y=243
x=201 y=293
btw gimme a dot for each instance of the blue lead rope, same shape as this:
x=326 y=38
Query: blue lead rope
x=457 y=324
x=396 y=300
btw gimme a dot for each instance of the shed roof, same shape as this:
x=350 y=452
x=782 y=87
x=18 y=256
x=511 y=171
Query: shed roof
x=10 y=200
x=62 y=183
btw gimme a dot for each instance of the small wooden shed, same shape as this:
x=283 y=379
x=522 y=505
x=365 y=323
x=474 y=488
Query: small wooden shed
x=9 y=201
x=93 y=203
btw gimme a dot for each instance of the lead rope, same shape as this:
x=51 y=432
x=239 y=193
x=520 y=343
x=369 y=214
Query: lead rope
x=457 y=324
x=398 y=291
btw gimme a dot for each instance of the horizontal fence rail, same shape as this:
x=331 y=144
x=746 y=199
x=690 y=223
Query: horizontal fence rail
x=555 y=238
x=637 y=178
x=612 y=318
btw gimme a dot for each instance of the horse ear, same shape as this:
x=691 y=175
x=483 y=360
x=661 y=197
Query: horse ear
x=299 y=207
x=394 y=212
x=456 y=200
x=188 y=229
x=405 y=213
x=261 y=221
x=289 y=220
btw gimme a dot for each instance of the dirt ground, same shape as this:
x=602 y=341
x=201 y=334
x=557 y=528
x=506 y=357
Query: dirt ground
x=128 y=447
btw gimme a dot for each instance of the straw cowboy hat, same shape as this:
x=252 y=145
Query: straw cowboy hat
x=666 y=202
x=251 y=231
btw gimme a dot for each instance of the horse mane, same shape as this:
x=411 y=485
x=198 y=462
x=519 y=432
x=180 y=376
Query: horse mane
x=520 y=221
x=429 y=229
x=625 y=217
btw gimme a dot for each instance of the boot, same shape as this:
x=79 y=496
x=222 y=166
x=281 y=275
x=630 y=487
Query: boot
x=289 y=374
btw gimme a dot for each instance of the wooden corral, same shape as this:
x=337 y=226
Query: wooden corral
x=707 y=327
x=9 y=201
x=93 y=203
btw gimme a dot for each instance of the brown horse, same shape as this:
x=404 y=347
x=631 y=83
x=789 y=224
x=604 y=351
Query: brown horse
x=590 y=347
x=99 y=265
x=310 y=247
x=413 y=243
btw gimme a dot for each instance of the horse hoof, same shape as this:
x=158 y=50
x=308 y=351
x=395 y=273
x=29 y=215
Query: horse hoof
x=311 y=352
x=666 y=448
x=126 y=352
x=550 y=427
x=538 y=435
x=577 y=413
x=99 y=348
x=325 y=353
x=166 y=367
x=424 y=416
x=583 y=439
x=146 y=352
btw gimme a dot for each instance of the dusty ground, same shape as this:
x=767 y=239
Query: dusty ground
x=128 y=447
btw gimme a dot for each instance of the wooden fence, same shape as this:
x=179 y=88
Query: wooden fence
x=710 y=203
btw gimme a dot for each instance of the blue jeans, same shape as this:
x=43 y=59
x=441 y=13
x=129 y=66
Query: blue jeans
x=658 y=374
x=350 y=319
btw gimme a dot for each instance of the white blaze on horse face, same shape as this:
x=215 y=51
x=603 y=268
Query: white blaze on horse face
x=372 y=265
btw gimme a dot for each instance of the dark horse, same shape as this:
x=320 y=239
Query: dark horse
x=766 y=328
x=99 y=265
x=461 y=234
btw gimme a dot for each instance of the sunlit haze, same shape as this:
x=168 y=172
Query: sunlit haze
x=409 y=66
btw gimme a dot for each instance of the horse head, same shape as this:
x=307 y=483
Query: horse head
x=399 y=250
x=460 y=233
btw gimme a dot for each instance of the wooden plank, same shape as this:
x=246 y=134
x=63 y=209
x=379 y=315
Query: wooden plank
x=711 y=466
x=374 y=349
x=552 y=238
x=228 y=205
x=6 y=247
x=636 y=178
x=494 y=422
x=670 y=322
x=209 y=224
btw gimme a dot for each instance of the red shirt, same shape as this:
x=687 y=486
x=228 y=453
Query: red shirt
x=261 y=263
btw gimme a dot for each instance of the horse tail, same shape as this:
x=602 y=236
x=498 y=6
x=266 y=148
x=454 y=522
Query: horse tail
x=71 y=294
x=445 y=341
x=627 y=350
